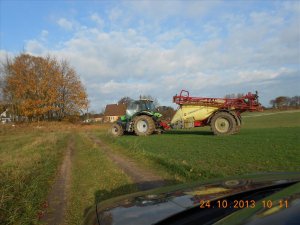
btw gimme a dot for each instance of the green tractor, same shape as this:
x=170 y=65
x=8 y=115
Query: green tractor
x=141 y=118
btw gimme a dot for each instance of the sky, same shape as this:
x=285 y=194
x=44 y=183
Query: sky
x=132 y=48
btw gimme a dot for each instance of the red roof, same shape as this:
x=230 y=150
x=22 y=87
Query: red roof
x=115 y=110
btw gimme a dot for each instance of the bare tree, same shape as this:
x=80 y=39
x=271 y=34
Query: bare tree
x=238 y=95
x=281 y=101
x=150 y=97
x=125 y=100
x=284 y=102
x=295 y=101
x=166 y=111
x=72 y=94
x=273 y=103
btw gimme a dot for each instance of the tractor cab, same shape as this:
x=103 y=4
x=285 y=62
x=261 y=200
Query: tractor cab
x=139 y=106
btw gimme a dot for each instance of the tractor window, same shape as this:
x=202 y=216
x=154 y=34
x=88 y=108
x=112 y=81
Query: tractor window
x=149 y=106
x=138 y=106
x=132 y=108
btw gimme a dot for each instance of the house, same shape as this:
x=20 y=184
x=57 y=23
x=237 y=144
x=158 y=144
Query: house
x=97 y=118
x=113 y=112
x=4 y=118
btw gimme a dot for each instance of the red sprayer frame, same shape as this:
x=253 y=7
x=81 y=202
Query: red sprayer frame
x=248 y=102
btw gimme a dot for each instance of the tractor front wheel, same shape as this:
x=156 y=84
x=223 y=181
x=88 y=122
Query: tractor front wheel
x=223 y=123
x=144 y=125
x=117 y=130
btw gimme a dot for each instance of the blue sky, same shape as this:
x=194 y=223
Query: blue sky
x=128 y=48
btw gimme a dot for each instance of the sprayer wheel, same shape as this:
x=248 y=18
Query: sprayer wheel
x=223 y=123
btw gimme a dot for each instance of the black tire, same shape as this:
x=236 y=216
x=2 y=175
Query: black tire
x=144 y=125
x=223 y=123
x=237 y=129
x=159 y=131
x=238 y=120
x=117 y=130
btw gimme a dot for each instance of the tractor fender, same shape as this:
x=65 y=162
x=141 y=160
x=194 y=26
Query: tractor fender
x=121 y=123
x=147 y=114
x=155 y=119
x=233 y=113
x=237 y=117
x=143 y=113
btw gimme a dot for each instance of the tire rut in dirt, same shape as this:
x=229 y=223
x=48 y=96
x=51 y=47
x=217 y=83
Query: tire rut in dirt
x=143 y=178
x=57 y=198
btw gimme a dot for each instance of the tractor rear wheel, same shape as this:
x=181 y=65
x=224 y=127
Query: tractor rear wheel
x=223 y=123
x=117 y=130
x=144 y=125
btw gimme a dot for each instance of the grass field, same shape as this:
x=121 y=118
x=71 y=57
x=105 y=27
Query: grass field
x=30 y=157
x=94 y=178
x=265 y=143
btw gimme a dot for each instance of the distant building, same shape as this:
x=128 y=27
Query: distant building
x=3 y=114
x=98 y=119
x=113 y=112
x=4 y=118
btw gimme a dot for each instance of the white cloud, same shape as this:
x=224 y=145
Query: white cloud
x=233 y=53
x=44 y=34
x=161 y=10
x=171 y=37
x=292 y=6
x=35 y=47
x=96 y=18
x=199 y=8
x=115 y=14
x=4 y=55
x=112 y=87
x=64 y=23
x=257 y=76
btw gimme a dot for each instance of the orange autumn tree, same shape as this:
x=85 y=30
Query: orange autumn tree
x=42 y=88
x=72 y=95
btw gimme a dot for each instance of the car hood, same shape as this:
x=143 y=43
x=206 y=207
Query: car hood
x=150 y=207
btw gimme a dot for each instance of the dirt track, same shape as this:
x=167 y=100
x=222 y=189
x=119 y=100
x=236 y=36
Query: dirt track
x=57 y=198
x=144 y=179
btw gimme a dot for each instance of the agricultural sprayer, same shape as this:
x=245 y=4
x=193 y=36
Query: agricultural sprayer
x=223 y=115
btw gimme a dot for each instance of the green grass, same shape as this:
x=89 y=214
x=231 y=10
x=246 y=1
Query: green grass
x=269 y=120
x=265 y=144
x=30 y=156
x=28 y=162
x=94 y=178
